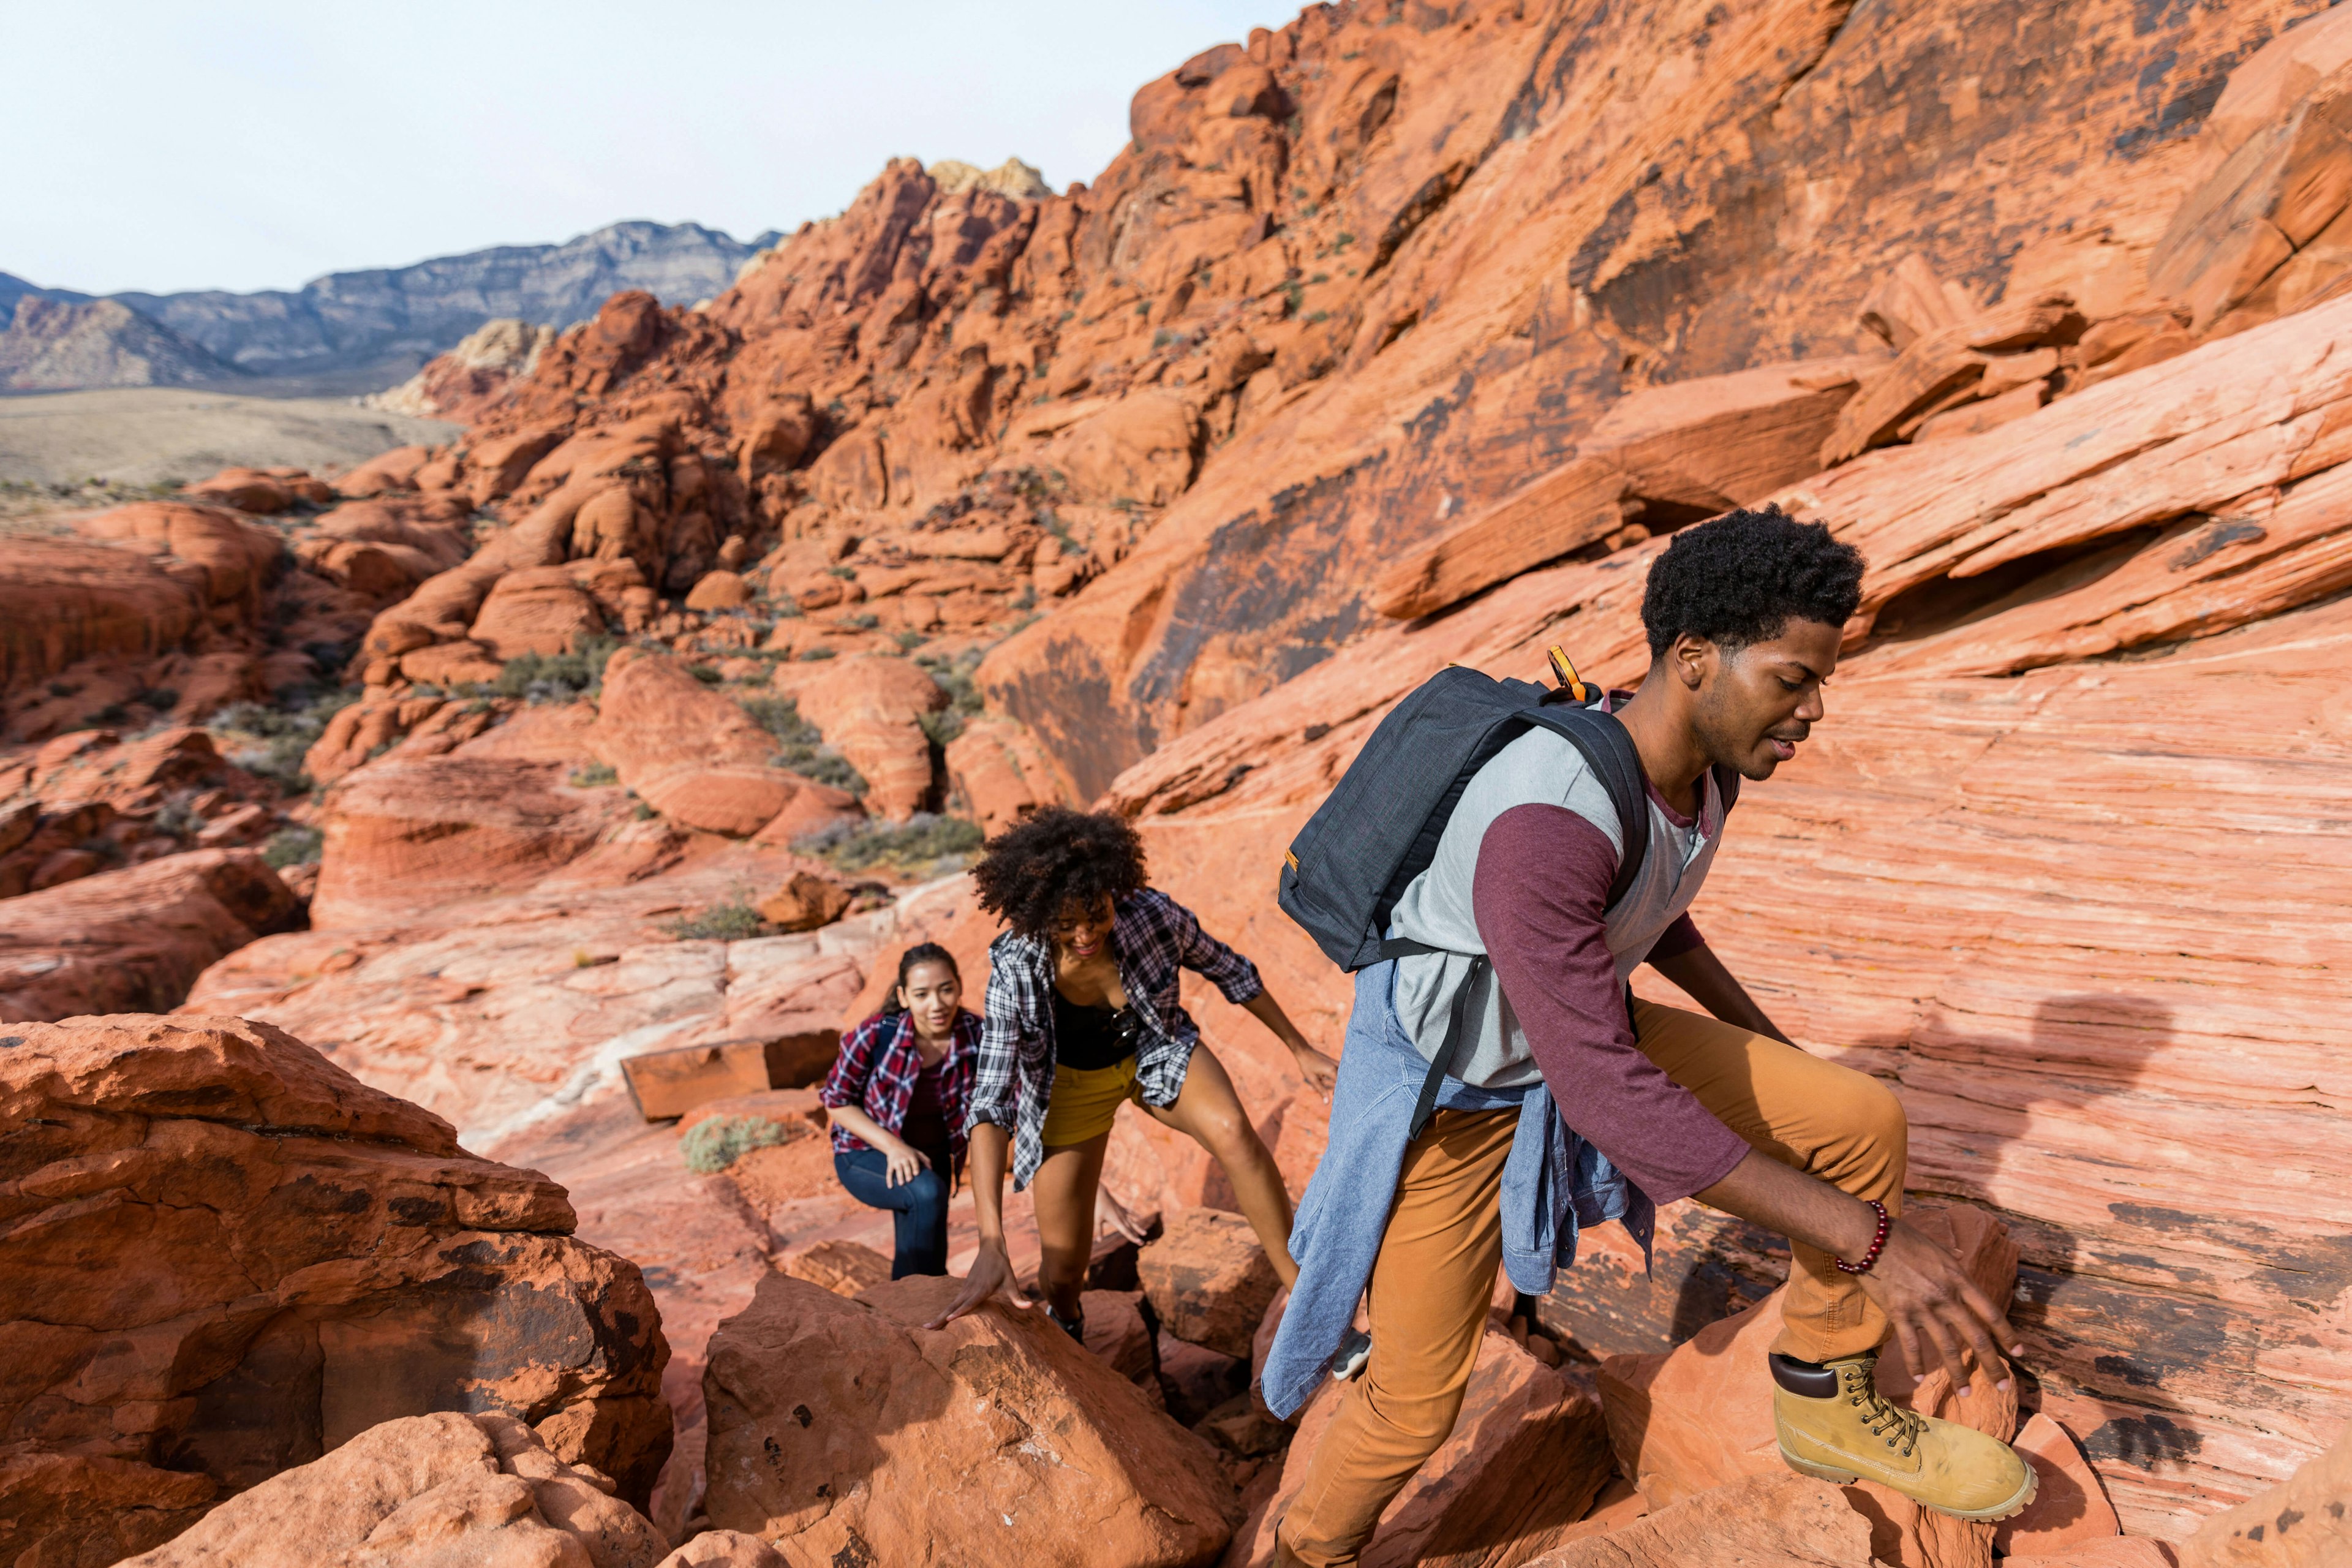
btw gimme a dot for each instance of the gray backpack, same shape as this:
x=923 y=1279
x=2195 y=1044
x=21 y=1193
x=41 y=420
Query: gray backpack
x=1379 y=830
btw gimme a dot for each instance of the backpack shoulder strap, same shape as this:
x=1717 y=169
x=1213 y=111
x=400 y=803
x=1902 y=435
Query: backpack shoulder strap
x=1609 y=751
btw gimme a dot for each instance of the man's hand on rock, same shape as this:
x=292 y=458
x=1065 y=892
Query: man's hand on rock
x=990 y=1271
x=1937 y=1312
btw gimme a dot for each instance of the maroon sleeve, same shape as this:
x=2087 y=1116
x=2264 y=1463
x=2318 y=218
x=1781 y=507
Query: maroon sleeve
x=1541 y=884
x=1676 y=940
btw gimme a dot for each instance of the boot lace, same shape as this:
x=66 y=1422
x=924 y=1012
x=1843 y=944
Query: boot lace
x=1901 y=1428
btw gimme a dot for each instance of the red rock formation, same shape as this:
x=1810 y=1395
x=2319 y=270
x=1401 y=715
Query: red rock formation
x=2305 y=1522
x=1979 y=884
x=1208 y=1281
x=472 y=378
x=87 y=799
x=225 y=1256
x=1770 y=1521
x=425 y=1490
x=1526 y=1460
x=137 y=938
x=997 y=1417
x=263 y=491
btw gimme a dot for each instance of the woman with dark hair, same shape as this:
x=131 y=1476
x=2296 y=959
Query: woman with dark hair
x=1081 y=1015
x=897 y=1095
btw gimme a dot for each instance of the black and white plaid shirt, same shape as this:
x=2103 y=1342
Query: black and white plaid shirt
x=1151 y=937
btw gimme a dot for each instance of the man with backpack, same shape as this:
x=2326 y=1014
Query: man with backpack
x=1494 y=866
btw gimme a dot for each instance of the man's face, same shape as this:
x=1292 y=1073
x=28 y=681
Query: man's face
x=1757 y=703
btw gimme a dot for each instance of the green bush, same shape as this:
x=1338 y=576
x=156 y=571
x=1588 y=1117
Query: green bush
x=715 y=1142
x=924 y=843
x=557 y=677
x=732 y=922
x=595 y=776
x=800 y=746
x=295 y=846
x=275 y=738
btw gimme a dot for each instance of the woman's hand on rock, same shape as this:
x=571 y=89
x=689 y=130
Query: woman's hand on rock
x=1321 y=1073
x=1109 y=1208
x=990 y=1271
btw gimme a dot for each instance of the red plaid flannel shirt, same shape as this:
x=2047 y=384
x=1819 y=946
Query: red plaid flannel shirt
x=877 y=1069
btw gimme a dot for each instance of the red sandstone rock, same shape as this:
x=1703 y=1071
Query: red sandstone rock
x=1695 y=446
x=2306 y=1522
x=844 y=1268
x=805 y=903
x=999 y=1415
x=868 y=708
x=1526 y=1460
x=718 y=591
x=1117 y=1331
x=724 y=1549
x=392 y=470
x=426 y=1490
x=1209 y=1280
x=696 y=756
x=540 y=610
x=2116 y=1551
x=136 y=937
x=2070 y=1507
x=349 y=1266
x=407 y=836
x=1768 y=1522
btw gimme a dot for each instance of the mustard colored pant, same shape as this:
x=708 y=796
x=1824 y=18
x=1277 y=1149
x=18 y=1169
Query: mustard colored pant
x=1435 y=1273
x=1085 y=1101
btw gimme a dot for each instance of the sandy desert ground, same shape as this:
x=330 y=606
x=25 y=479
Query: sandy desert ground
x=143 y=436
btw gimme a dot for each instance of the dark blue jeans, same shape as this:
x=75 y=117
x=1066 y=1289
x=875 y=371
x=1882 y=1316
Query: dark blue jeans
x=921 y=1206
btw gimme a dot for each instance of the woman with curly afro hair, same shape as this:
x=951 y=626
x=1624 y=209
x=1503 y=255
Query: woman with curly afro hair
x=1083 y=1016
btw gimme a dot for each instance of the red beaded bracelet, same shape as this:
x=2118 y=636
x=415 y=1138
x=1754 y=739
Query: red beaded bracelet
x=1876 y=1242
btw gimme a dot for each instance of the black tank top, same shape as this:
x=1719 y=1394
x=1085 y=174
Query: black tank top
x=1086 y=1038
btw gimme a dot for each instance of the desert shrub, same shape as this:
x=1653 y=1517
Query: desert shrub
x=715 y=1142
x=923 y=844
x=810 y=655
x=295 y=846
x=732 y=922
x=270 y=741
x=800 y=746
x=557 y=677
x=159 y=698
x=709 y=674
x=595 y=776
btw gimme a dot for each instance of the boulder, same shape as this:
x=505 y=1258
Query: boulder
x=225 y=1256
x=424 y=1491
x=2070 y=1507
x=720 y=591
x=1140 y=449
x=542 y=610
x=1764 y=1522
x=844 y=1268
x=842 y=1430
x=724 y=1549
x=392 y=470
x=1700 y=1416
x=995 y=768
x=134 y=938
x=870 y=708
x=2304 y=1521
x=406 y=836
x=1209 y=1280
x=1195 y=1380
x=1118 y=1331
x=1527 y=1457
x=698 y=757
x=805 y=903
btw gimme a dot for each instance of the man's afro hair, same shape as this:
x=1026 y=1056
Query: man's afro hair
x=1054 y=858
x=1741 y=578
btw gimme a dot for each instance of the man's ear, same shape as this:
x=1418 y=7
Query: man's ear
x=1693 y=659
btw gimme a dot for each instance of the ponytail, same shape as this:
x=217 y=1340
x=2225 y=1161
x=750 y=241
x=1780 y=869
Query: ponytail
x=922 y=952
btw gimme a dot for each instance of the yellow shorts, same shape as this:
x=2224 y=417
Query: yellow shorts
x=1085 y=1103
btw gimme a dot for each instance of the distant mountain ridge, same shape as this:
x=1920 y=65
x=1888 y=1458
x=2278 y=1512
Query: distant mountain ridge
x=364 y=330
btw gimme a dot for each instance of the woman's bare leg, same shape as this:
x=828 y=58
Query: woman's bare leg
x=1064 y=1194
x=1208 y=1111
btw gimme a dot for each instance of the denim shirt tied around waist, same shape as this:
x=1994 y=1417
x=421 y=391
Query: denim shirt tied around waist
x=1554 y=1182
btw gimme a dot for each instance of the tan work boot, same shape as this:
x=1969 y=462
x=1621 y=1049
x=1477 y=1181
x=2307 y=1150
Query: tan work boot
x=1835 y=1425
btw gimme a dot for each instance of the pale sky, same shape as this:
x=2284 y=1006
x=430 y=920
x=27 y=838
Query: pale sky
x=160 y=145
